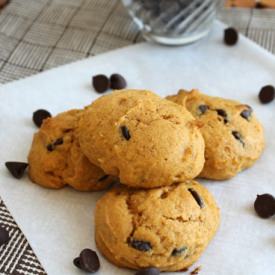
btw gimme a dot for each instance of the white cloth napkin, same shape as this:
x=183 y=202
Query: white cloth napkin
x=59 y=224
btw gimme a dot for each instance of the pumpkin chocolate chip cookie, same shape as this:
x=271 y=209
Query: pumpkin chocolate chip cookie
x=233 y=136
x=55 y=158
x=167 y=228
x=141 y=138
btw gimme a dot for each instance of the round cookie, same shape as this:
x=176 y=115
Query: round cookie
x=141 y=138
x=167 y=227
x=55 y=158
x=233 y=136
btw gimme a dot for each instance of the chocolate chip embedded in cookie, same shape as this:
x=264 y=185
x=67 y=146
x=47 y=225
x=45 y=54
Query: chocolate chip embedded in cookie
x=130 y=232
x=56 y=160
x=141 y=138
x=233 y=136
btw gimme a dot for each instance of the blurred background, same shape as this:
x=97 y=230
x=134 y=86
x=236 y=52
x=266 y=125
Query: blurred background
x=36 y=35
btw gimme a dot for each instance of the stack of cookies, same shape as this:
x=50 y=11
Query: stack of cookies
x=157 y=216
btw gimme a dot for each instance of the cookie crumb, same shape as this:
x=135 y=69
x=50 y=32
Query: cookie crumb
x=196 y=271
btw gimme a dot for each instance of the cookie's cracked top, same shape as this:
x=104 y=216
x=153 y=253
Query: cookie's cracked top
x=141 y=138
x=55 y=158
x=234 y=138
x=167 y=227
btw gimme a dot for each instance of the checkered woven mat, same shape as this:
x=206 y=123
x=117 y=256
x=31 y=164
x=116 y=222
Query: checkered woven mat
x=36 y=35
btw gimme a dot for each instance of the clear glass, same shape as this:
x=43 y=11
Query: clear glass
x=172 y=22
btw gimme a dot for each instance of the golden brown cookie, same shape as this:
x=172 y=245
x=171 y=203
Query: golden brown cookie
x=141 y=138
x=55 y=158
x=167 y=227
x=233 y=136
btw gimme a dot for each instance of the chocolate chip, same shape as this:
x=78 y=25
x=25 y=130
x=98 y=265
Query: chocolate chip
x=179 y=251
x=259 y=5
x=103 y=178
x=39 y=115
x=87 y=261
x=118 y=82
x=196 y=196
x=148 y=271
x=125 y=132
x=265 y=205
x=266 y=94
x=223 y=114
x=231 y=36
x=101 y=83
x=59 y=141
x=140 y=245
x=238 y=136
x=246 y=114
x=4 y=236
x=203 y=109
x=17 y=169
x=50 y=147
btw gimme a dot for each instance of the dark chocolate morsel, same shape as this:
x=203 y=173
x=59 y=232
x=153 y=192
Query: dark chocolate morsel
x=140 y=245
x=148 y=271
x=196 y=197
x=89 y=261
x=246 y=114
x=50 y=147
x=59 y=141
x=39 y=115
x=125 y=132
x=267 y=94
x=16 y=168
x=103 y=178
x=4 y=236
x=223 y=114
x=118 y=82
x=231 y=36
x=101 y=83
x=265 y=205
x=238 y=137
x=179 y=251
x=203 y=109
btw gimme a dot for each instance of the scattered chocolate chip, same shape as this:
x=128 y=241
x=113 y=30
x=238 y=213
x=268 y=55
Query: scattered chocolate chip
x=197 y=197
x=101 y=83
x=59 y=141
x=87 y=261
x=39 y=115
x=267 y=94
x=103 y=178
x=238 y=136
x=231 y=36
x=17 y=169
x=203 y=109
x=118 y=82
x=50 y=147
x=148 y=271
x=4 y=236
x=265 y=205
x=179 y=251
x=140 y=245
x=246 y=114
x=125 y=132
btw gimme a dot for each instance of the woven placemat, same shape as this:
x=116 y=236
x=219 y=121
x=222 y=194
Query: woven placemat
x=36 y=35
